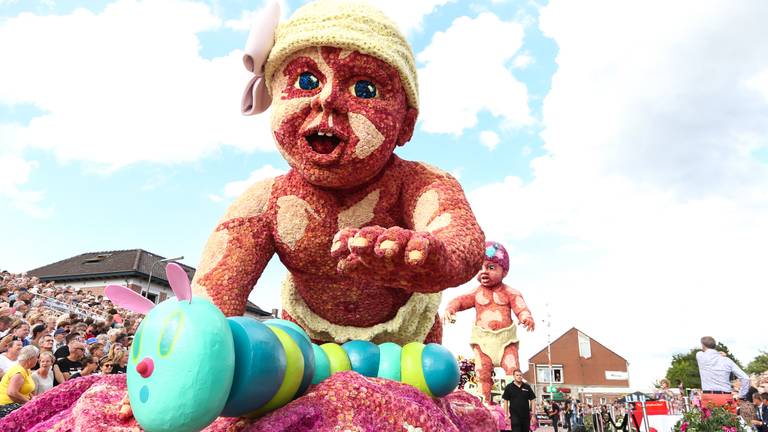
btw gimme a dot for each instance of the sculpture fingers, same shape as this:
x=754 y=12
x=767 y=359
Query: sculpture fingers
x=362 y=244
x=339 y=246
x=392 y=242
x=417 y=250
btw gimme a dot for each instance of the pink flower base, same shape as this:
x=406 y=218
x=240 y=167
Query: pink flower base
x=346 y=401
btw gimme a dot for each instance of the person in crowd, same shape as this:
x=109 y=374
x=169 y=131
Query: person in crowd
x=59 y=338
x=554 y=415
x=715 y=371
x=759 y=422
x=568 y=415
x=5 y=325
x=46 y=344
x=520 y=402
x=90 y=365
x=38 y=332
x=10 y=357
x=115 y=353
x=122 y=364
x=106 y=366
x=70 y=364
x=95 y=348
x=17 y=385
x=43 y=376
x=19 y=330
x=64 y=351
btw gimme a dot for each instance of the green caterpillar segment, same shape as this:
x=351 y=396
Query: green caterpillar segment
x=410 y=367
x=337 y=358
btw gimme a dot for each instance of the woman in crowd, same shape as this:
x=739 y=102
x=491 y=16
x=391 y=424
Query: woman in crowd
x=43 y=376
x=106 y=366
x=122 y=364
x=96 y=349
x=115 y=352
x=17 y=385
x=38 y=332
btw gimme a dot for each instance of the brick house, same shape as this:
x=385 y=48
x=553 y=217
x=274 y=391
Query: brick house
x=581 y=366
x=93 y=271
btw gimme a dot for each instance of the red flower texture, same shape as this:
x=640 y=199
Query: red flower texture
x=683 y=427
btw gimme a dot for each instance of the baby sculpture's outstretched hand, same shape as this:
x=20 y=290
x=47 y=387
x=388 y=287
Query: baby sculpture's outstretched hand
x=389 y=255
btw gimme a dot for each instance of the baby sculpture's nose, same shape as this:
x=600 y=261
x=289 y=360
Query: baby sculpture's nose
x=145 y=367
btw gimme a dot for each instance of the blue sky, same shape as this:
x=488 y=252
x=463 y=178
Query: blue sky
x=617 y=149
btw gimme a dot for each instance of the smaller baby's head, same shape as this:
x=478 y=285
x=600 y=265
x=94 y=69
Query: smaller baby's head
x=344 y=91
x=495 y=264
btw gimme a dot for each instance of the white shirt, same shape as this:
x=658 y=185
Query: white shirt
x=715 y=371
x=6 y=363
x=42 y=385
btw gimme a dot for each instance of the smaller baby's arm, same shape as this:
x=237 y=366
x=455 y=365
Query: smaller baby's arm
x=460 y=303
x=520 y=308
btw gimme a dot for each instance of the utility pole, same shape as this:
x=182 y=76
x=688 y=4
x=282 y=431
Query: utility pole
x=549 y=349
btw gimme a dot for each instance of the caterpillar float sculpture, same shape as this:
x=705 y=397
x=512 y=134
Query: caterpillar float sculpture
x=190 y=364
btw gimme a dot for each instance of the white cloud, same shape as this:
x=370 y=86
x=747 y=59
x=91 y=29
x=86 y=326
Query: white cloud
x=236 y=188
x=408 y=14
x=464 y=73
x=489 y=139
x=645 y=221
x=126 y=85
x=14 y=173
x=248 y=17
x=522 y=60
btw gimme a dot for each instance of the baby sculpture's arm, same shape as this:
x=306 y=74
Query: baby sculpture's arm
x=439 y=246
x=520 y=308
x=237 y=252
x=460 y=303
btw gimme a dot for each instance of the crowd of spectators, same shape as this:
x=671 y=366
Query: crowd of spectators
x=50 y=334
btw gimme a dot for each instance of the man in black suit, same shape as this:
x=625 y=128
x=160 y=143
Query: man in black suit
x=761 y=413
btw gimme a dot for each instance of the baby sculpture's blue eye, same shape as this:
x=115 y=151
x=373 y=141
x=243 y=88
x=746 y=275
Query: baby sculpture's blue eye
x=136 y=349
x=307 y=81
x=364 y=89
x=171 y=329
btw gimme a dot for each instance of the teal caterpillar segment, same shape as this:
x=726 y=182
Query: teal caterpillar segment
x=189 y=364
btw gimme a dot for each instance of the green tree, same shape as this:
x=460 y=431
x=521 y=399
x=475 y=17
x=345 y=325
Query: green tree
x=759 y=364
x=685 y=368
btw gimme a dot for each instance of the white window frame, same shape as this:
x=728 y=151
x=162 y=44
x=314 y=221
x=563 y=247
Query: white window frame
x=542 y=374
x=585 y=346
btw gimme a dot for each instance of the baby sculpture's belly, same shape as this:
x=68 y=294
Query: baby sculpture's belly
x=346 y=302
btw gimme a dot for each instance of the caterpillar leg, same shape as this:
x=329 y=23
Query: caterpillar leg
x=484 y=369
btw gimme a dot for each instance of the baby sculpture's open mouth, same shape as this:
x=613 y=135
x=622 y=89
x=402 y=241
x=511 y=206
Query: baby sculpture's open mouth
x=326 y=146
x=323 y=143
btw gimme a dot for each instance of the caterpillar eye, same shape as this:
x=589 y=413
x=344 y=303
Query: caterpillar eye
x=136 y=348
x=170 y=333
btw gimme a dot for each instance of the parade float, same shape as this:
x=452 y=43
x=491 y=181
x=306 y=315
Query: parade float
x=369 y=241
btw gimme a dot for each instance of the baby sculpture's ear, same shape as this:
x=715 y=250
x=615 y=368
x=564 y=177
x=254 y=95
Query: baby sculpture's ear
x=128 y=299
x=409 y=123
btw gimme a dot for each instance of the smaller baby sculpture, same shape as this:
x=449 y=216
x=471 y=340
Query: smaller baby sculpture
x=494 y=335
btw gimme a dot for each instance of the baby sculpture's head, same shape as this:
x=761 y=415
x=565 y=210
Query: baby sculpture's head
x=343 y=86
